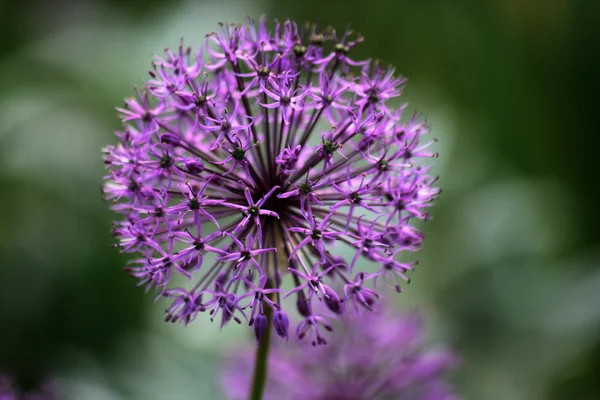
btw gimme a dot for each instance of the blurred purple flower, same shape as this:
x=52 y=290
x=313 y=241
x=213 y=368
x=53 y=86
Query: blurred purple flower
x=379 y=355
x=243 y=165
x=8 y=391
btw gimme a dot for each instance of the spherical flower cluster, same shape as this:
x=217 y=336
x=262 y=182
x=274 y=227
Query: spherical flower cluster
x=241 y=167
x=378 y=356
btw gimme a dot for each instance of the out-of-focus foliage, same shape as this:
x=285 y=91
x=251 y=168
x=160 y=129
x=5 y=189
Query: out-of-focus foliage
x=508 y=275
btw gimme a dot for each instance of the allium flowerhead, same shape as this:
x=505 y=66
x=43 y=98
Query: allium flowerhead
x=246 y=164
x=378 y=356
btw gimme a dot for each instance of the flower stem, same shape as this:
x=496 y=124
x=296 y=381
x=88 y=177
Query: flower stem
x=261 y=361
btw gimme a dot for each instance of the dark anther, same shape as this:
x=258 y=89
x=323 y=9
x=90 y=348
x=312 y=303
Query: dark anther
x=355 y=197
x=194 y=204
x=383 y=165
x=253 y=211
x=317 y=40
x=400 y=204
x=330 y=147
x=341 y=49
x=166 y=161
x=133 y=186
x=262 y=71
x=299 y=50
x=374 y=98
x=305 y=188
x=239 y=154
x=200 y=101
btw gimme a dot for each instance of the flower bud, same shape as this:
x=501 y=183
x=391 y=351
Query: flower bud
x=281 y=324
x=170 y=139
x=194 y=167
x=332 y=300
x=260 y=326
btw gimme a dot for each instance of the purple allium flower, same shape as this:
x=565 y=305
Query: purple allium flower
x=8 y=391
x=241 y=167
x=377 y=356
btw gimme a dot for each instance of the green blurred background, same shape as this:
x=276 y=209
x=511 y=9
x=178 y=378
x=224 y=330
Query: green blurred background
x=509 y=272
